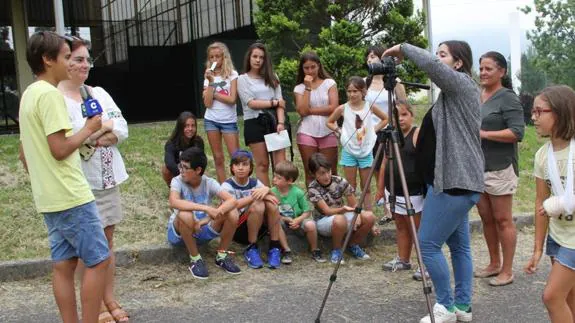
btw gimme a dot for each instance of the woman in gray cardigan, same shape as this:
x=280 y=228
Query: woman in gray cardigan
x=451 y=161
x=502 y=127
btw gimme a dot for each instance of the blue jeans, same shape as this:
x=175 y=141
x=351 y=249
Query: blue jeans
x=445 y=219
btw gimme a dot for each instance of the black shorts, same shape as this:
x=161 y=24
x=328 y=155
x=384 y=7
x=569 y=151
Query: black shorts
x=254 y=131
x=241 y=235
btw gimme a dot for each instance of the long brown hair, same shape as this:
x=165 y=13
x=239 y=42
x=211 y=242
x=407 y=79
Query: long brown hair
x=460 y=50
x=310 y=56
x=267 y=71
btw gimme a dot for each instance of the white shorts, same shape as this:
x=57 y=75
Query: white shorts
x=324 y=224
x=416 y=203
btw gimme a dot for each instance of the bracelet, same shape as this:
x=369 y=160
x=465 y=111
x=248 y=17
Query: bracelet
x=281 y=123
x=212 y=84
x=308 y=89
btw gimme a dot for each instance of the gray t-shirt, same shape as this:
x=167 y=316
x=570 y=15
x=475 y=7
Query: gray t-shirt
x=202 y=194
x=502 y=111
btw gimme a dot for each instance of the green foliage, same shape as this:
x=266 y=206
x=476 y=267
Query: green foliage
x=554 y=39
x=532 y=78
x=340 y=32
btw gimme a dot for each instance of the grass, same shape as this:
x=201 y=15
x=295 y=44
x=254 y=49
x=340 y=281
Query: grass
x=144 y=195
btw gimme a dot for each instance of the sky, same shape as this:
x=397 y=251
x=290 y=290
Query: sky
x=484 y=24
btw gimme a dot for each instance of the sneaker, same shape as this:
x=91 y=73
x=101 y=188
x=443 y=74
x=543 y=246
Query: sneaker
x=286 y=258
x=463 y=316
x=274 y=258
x=396 y=264
x=441 y=315
x=252 y=257
x=417 y=275
x=227 y=264
x=336 y=255
x=198 y=269
x=357 y=252
x=316 y=255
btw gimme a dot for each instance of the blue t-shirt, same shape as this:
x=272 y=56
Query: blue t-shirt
x=202 y=194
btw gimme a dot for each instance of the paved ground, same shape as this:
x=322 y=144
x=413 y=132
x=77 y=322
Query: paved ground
x=362 y=293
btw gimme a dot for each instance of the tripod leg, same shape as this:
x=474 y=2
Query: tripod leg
x=410 y=214
x=357 y=213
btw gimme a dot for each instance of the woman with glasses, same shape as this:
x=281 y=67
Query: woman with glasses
x=102 y=162
x=502 y=126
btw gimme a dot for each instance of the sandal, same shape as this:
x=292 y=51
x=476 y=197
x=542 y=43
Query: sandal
x=105 y=316
x=498 y=282
x=484 y=273
x=121 y=315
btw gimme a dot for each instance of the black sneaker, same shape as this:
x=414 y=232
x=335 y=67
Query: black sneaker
x=316 y=255
x=227 y=264
x=199 y=269
x=286 y=258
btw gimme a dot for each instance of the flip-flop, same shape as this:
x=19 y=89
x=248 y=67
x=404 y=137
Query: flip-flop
x=485 y=274
x=496 y=282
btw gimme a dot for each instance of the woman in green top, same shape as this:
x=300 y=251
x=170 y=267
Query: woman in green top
x=502 y=127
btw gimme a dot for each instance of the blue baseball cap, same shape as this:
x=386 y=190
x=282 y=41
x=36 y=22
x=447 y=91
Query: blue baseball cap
x=242 y=153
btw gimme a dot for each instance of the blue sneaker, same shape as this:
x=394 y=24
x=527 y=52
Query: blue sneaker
x=336 y=255
x=357 y=252
x=274 y=258
x=199 y=269
x=252 y=257
x=228 y=265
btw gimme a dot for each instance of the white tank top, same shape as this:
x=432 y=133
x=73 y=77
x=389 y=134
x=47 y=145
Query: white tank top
x=357 y=134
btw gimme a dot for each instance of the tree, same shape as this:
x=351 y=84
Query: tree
x=339 y=31
x=554 y=39
x=532 y=78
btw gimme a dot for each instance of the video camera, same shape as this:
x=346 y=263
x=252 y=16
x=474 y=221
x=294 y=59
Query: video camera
x=385 y=67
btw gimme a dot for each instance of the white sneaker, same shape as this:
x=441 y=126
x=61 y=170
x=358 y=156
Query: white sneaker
x=441 y=315
x=463 y=316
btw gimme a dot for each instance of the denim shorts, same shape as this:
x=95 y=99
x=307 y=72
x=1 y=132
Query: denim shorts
x=347 y=160
x=563 y=255
x=231 y=127
x=206 y=234
x=77 y=233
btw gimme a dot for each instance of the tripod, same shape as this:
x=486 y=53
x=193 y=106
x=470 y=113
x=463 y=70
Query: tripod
x=392 y=138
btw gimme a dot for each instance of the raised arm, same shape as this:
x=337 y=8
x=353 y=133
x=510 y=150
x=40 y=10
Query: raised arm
x=444 y=76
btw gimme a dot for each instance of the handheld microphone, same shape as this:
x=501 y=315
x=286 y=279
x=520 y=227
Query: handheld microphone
x=213 y=67
x=90 y=106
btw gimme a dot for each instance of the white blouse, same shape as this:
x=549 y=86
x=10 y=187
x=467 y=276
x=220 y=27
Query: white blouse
x=105 y=169
x=315 y=125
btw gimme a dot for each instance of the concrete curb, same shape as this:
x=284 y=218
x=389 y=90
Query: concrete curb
x=155 y=255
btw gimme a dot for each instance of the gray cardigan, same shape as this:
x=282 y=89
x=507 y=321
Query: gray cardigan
x=457 y=119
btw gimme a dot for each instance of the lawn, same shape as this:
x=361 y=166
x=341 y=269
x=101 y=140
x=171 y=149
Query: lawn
x=144 y=195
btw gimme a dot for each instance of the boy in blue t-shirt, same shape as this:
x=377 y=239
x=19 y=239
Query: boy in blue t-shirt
x=255 y=203
x=194 y=220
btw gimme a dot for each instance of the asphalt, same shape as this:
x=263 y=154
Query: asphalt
x=361 y=293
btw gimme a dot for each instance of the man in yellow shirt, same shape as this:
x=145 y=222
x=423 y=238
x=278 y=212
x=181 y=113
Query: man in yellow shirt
x=61 y=193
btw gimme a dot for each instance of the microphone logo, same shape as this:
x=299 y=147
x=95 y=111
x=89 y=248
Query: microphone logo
x=90 y=106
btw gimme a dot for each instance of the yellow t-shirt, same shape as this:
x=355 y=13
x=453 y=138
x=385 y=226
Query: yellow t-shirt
x=56 y=185
x=561 y=229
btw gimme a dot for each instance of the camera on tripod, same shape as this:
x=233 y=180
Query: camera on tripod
x=385 y=67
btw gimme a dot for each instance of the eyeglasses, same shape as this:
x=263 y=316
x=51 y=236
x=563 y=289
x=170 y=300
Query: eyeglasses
x=183 y=167
x=536 y=112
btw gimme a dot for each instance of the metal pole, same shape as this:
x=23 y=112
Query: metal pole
x=59 y=17
x=429 y=35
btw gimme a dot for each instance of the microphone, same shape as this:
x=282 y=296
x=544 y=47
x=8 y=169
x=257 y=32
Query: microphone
x=90 y=106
